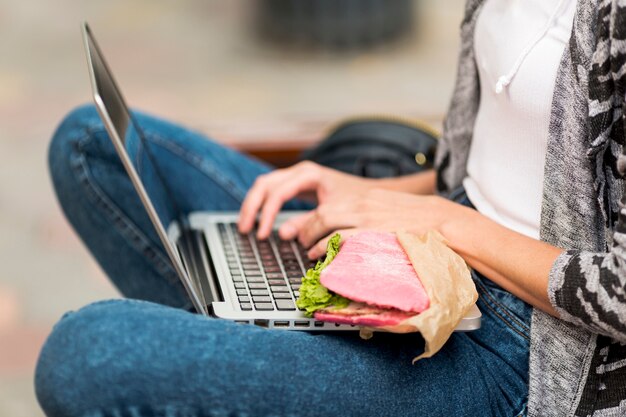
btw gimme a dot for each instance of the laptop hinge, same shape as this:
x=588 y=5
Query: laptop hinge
x=199 y=268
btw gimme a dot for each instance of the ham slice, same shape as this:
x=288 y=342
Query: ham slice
x=372 y=268
x=363 y=315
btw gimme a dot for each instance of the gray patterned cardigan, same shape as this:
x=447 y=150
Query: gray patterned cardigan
x=578 y=363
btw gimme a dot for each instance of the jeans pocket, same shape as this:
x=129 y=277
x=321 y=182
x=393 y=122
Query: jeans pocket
x=512 y=310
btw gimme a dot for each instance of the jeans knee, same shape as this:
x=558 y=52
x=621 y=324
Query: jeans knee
x=65 y=140
x=66 y=153
x=76 y=356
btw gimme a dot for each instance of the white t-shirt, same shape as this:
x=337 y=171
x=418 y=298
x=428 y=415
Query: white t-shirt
x=518 y=47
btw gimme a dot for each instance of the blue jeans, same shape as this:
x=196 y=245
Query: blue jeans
x=146 y=355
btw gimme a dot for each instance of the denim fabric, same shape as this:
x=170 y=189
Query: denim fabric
x=152 y=358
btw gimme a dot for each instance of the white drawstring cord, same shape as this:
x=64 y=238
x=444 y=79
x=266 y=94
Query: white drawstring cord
x=505 y=80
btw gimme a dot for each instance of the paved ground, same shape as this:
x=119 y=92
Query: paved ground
x=194 y=61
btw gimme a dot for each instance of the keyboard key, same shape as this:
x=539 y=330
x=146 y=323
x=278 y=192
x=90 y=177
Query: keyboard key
x=244 y=299
x=295 y=281
x=254 y=279
x=246 y=306
x=272 y=269
x=276 y=281
x=241 y=291
x=257 y=285
x=295 y=287
x=285 y=305
x=237 y=278
x=293 y=269
x=272 y=275
x=282 y=296
x=259 y=292
x=251 y=268
x=279 y=288
x=254 y=274
x=264 y=306
x=261 y=299
x=296 y=294
x=240 y=285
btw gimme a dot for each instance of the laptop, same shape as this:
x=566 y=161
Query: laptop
x=226 y=274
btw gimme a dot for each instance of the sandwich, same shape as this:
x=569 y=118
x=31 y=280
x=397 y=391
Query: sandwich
x=369 y=282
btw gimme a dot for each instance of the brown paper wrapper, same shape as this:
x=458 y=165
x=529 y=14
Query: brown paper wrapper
x=448 y=283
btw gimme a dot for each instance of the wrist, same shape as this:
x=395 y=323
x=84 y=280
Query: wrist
x=459 y=228
x=420 y=183
x=390 y=184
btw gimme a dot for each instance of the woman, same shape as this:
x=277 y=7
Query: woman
x=532 y=140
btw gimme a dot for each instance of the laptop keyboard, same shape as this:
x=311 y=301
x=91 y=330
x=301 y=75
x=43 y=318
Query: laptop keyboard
x=267 y=273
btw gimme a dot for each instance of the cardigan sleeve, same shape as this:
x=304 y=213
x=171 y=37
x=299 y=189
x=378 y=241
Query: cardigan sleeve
x=589 y=288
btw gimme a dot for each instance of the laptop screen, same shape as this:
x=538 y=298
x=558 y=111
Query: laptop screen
x=137 y=153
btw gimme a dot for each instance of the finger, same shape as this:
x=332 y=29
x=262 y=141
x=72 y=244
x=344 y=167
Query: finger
x=324 y=220
x=290 y=228
x=256 y=196
x=251 y=203
x=277 y=197
x=319 y=249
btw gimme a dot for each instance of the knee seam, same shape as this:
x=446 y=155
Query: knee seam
x=224 y=183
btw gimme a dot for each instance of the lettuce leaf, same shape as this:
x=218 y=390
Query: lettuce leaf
x=313 y=295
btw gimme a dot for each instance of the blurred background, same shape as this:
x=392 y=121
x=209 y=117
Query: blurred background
x=258 y=75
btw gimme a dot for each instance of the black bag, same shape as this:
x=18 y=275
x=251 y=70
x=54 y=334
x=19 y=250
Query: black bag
x=376 y=148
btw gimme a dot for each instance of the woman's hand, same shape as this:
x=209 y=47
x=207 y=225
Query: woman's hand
x=376 y=209
x=348 y=204
x=516 y=262
x=306 y=180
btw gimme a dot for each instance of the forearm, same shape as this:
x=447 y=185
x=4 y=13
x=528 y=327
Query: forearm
x=517 y=263
x=423 y=183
